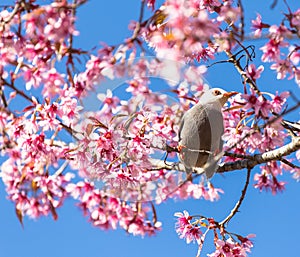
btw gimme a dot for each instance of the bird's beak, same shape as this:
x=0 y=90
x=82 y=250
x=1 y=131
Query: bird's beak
x=230 y=94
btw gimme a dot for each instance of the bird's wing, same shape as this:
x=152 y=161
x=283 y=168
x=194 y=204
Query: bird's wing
x=201 y=130
x=217 y=130
x=197 y=126
x=180 y=128
x=183 y=125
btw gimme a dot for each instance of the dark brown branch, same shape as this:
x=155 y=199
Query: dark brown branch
x=3 y=97
x=138 y=24
x=239 y=202
x=12 y=15
x=19 y=92
x=236 y=155
x=289 y=163
x=237 y=65
x=274 y=4
x=242 y=20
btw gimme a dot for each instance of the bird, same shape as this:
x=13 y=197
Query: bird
x=200 y=132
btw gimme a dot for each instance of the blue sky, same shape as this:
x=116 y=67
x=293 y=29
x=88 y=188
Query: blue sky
x=274 y=219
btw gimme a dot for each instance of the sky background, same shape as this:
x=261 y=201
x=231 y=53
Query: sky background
x=274 y=219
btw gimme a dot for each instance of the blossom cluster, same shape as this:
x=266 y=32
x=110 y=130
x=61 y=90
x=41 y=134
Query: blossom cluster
x=255 y=128
x=117 y=152
x=191 y=228
x=279 y=50
x=191 y=30
x=107 y=212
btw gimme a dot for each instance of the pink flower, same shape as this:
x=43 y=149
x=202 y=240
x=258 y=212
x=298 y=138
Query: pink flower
x=109 y=101
x=271 y=51
x=297 y=76
x=209 y=4
x=213 y=192
x=230 y=248
x=257 y=25
x=263 y=181
x=53 y=82
x=272 y=137
x=260 y=105
x=229 y=12
x=150 y=4
x=280 y=32
x=186 y=229
x=60 y=25
x=138 y=86
x=282 y=67
x=295 y=19
x=199 y=190
x=32 y=77
x=68 y=110
x=253 y=72
x=193 y=235
x=205 y=53
x=277 y=186
x=294 y=55
x=279 y=100
x=268 y=181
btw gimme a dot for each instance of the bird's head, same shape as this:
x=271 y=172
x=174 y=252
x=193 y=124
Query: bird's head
x=215 y=94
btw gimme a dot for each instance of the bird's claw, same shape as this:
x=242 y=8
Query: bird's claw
x=180 y=147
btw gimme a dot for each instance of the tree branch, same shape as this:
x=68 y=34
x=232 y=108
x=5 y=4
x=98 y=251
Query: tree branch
x=289 y=163
x=19 y=92
x=239 y=202
x=12 y=15
x=273 y=155
x=248 y=162
x=237 y=65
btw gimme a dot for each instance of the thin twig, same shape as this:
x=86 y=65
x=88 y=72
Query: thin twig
x=2 y=95
x=239 y=202
x=12 y=14
x=274 y=4
x=237 y=65
x=242 y=20
x=289 y=163
x=138 y=25
x=61 y=169
x=19 y=92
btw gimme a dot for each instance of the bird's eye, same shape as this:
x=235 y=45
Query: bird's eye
x=217 y=92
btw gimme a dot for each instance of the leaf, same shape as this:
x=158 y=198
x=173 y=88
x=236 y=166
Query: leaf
x=98 y=123
x=20 y=216
x=34 y=186
x=28 y=108
x=159 y=17
x=52 y=209
x=89 y=129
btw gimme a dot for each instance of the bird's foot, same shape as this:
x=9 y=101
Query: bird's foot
x=217 y=152
x=180 y=147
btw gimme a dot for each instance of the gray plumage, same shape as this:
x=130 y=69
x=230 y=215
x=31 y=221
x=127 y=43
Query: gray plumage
x=201 y=130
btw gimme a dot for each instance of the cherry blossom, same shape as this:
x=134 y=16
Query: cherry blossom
x=231 y=248
x=186 y=229
x=257 y=25
x=119 y=160
x=253 y=72
x=282 y=67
